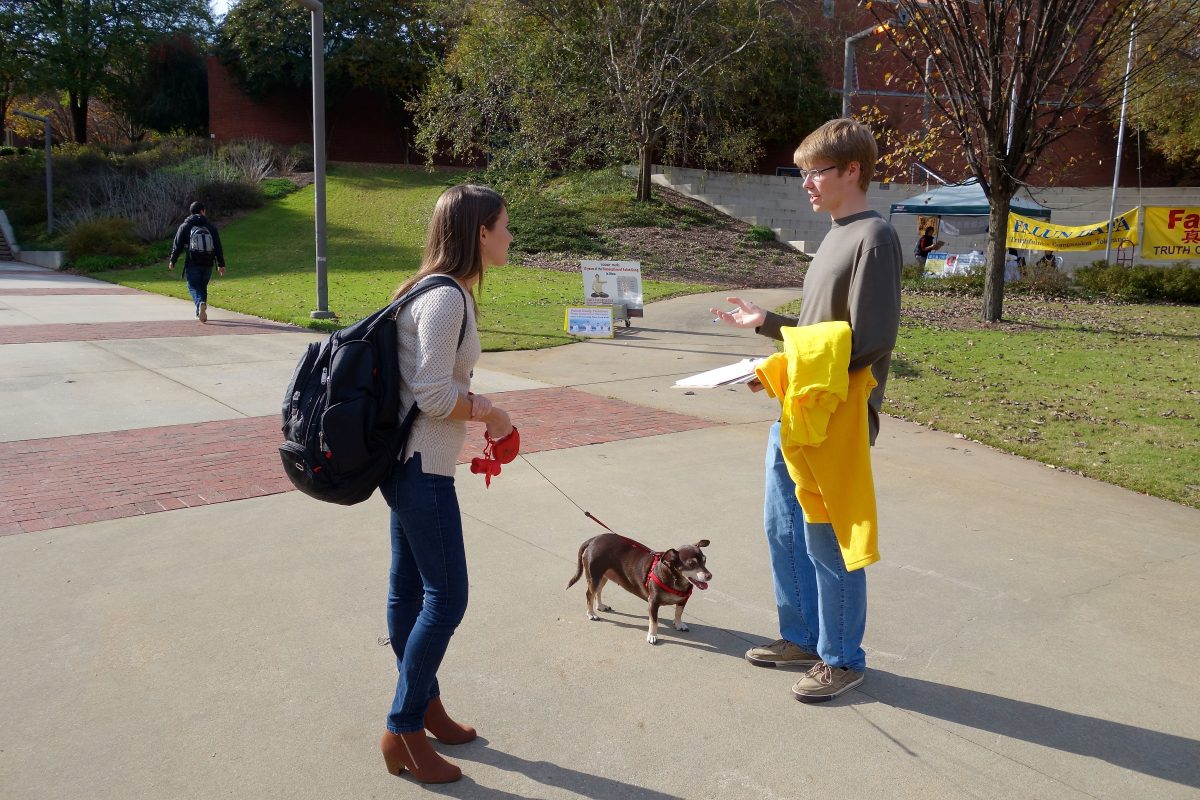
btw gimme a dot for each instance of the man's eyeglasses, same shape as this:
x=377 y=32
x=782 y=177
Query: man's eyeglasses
x=805 y=174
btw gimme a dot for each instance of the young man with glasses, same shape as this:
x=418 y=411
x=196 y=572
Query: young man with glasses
x=855 y=278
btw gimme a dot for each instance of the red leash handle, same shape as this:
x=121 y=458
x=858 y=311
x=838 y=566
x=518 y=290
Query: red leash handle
x=496 y=452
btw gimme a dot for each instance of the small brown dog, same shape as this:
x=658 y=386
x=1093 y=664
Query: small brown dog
x=659 y=578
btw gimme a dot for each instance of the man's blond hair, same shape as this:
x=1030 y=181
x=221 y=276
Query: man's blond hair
x=841 y=141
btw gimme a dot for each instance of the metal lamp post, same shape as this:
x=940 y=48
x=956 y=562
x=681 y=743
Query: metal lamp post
x=848 y=62
x=1112 y=207
x=318 y=81
x=49 y=168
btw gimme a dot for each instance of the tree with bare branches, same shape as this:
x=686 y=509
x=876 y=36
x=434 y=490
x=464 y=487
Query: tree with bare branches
x=653 y=54
x=1014 y=76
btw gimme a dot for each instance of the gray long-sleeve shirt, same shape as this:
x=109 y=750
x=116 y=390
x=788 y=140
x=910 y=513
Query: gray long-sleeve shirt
x=855 y=277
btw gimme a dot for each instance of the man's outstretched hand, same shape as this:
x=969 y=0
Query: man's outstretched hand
x=745 y=315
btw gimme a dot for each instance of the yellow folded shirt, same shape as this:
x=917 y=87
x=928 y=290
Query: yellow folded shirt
x=824 y=433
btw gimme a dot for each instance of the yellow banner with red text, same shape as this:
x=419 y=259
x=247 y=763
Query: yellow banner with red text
x=1172 y=233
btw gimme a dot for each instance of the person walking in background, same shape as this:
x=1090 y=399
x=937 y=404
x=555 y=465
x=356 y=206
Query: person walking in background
x=200 y=243
x=853 y=278
x=427 y=595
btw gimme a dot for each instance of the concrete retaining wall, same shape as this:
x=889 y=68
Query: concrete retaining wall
x=781 y=204
x=6 y=228
x=52 y=259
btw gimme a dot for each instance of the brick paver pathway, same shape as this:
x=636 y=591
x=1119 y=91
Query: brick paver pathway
x=70 y=480
x=151 y=329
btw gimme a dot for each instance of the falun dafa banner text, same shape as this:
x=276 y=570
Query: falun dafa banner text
x=1027 y=233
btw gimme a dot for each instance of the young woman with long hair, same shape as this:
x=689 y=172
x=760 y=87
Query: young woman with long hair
x=428 y=581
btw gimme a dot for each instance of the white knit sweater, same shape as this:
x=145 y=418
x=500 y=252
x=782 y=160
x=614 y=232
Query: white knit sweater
x=436 y=371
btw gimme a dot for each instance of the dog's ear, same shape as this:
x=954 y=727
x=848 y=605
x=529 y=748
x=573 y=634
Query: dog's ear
x=672 y=557
x=702 y=543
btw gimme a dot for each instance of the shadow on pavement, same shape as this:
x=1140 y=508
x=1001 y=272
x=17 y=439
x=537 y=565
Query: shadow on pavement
x=699 y=635
x=1160 y=755
x=545 y=773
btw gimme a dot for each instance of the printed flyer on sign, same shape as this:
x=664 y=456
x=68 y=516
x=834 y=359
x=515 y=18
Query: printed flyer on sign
x=935 y=263
x=609 y=282
x=589 y=322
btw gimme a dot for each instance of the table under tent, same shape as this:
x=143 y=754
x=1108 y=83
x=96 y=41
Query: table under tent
x=959 y=215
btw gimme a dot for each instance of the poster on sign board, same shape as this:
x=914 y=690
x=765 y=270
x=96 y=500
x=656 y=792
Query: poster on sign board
x=589 y=321
x=606 y=283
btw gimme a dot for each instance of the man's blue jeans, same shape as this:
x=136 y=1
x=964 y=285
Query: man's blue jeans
x=822 y=606
x=197 y=282
x=428 y=589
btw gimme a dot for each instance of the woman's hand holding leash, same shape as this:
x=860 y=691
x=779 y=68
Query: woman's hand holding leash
x=497 y=422
x=481 y=406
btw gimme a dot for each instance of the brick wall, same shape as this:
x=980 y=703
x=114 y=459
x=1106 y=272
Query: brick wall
x=360 y=125
x=282 y=118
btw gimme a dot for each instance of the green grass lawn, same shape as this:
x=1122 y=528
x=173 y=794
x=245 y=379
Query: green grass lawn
x=1109 y=391
x=376 y=221
x=1106 y=390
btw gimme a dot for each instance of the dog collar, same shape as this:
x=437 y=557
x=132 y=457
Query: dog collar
x=651 y=576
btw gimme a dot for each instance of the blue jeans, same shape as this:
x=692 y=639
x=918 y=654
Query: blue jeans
x=822 y=606
x=197 y=282
x=427 y=597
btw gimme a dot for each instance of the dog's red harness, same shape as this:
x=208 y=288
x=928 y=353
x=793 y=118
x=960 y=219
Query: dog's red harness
x=651 y=576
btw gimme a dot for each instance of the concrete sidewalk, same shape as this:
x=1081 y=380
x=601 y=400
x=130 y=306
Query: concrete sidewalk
x=1029 y=636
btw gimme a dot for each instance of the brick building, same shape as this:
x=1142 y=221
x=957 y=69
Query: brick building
x=362 y=125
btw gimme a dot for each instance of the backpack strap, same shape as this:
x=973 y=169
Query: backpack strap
x=424 y=286
x=393 y=311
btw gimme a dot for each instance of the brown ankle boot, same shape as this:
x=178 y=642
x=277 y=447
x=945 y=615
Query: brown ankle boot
x=447 y=731
x=411 y=751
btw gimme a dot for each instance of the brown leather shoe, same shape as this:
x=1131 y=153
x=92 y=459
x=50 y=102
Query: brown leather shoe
x=447 y=731
x=782 y=653
x=412 y=751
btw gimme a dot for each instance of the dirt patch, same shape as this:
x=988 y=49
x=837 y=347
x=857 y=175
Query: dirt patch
x=721 y=253
x=963 y=312
x=301 y=179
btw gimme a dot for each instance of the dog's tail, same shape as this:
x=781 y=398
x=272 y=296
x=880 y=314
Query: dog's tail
x=579 y=565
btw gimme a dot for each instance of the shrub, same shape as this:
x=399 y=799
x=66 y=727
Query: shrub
x=8 y=151
x=300 y=156
x=1181 y=283
x=98 y=263
x=166 y=152
x=110 y=236
x=225 y=197
x=761 y=233
x=1045 y=280
x=251 y=159
x=1178 y=283
x=154 y=203
x=81 y=157
x=275 y=188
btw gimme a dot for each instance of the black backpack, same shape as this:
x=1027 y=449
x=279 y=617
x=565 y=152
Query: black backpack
x=341 y=414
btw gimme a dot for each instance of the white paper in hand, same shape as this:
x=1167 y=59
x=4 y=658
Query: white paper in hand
x=741 y=372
